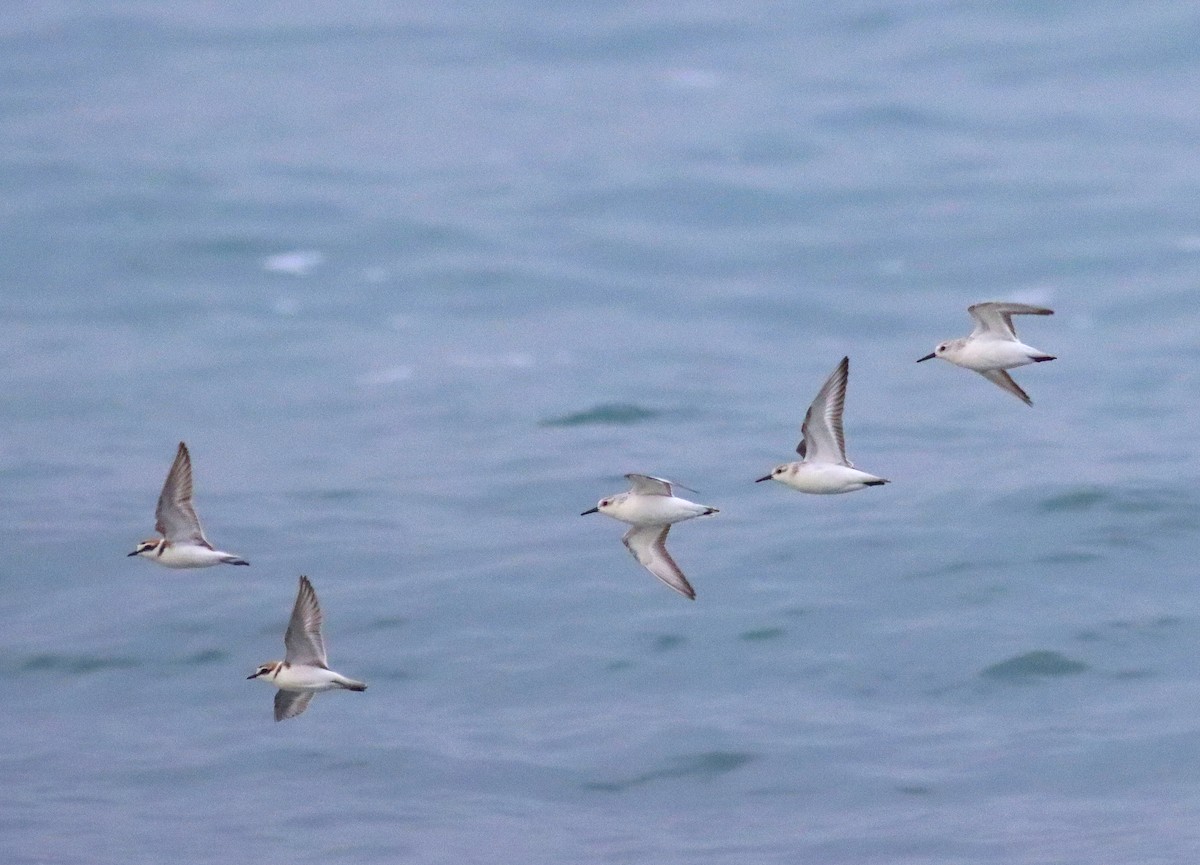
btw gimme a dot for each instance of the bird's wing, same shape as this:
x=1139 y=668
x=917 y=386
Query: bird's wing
x=303 y=638
x=648 y=544
x=289 y=704
x=175 y=518
x=995 y=317
x=649 y=486
x=1002 y=378
x=822 y=438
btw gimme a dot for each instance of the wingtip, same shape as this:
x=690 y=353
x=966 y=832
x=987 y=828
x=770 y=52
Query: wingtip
x=684 y=589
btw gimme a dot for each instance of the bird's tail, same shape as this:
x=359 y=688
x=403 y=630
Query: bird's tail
x=352 y=685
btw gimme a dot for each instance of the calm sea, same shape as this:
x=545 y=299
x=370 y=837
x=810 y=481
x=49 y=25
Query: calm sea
x=418 y=283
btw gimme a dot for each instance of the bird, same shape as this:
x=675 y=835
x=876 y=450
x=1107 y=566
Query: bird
x=651 y=508
x=992 y=346
x=823 y=467
x=304 y=670
x=183 y=544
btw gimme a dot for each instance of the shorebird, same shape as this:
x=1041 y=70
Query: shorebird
x=823 y=467
x=651 y=508
x=182 y=544
x=992 y=346
x=304 y=670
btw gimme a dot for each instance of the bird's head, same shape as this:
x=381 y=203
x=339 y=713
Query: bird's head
x=266 y=669
x=146 y=547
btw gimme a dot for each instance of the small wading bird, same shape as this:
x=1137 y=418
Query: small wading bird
x=992 y=346
x=823 y=467
x=182 y=544
x=304 y=670
x=651 y=508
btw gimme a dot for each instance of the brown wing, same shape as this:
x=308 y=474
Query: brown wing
x=175 y=518
x=289 y=704
x=303 y=639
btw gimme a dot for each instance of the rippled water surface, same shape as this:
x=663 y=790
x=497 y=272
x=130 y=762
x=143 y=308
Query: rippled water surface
x=419 y=283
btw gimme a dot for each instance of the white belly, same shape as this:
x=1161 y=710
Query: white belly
x=657 y=510
x=984 y=355
x=187 y=556
x=303 y=678
x=826 y=478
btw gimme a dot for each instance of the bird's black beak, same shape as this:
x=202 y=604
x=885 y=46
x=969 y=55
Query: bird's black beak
x=134 y=553
x=253 y=676
x=929 y=356
x=590 y=511
x=763 y=478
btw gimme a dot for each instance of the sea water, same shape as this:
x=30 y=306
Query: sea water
x=418 y=283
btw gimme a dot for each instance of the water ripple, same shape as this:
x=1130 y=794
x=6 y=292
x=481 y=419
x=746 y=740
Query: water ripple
x=1034 y=665
x=617 y=413
x=75 y=664
x=707 y=764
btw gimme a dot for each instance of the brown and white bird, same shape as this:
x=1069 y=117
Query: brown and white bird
x=183 y=544
x=304 y=670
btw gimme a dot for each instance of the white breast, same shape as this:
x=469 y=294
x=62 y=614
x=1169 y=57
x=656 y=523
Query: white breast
x=187 y=556
x=300 y=677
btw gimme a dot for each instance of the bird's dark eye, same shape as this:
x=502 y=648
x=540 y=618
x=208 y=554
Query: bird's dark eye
x=604 y=503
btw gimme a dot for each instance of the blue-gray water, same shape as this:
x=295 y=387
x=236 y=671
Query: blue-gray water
x=418 y=282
